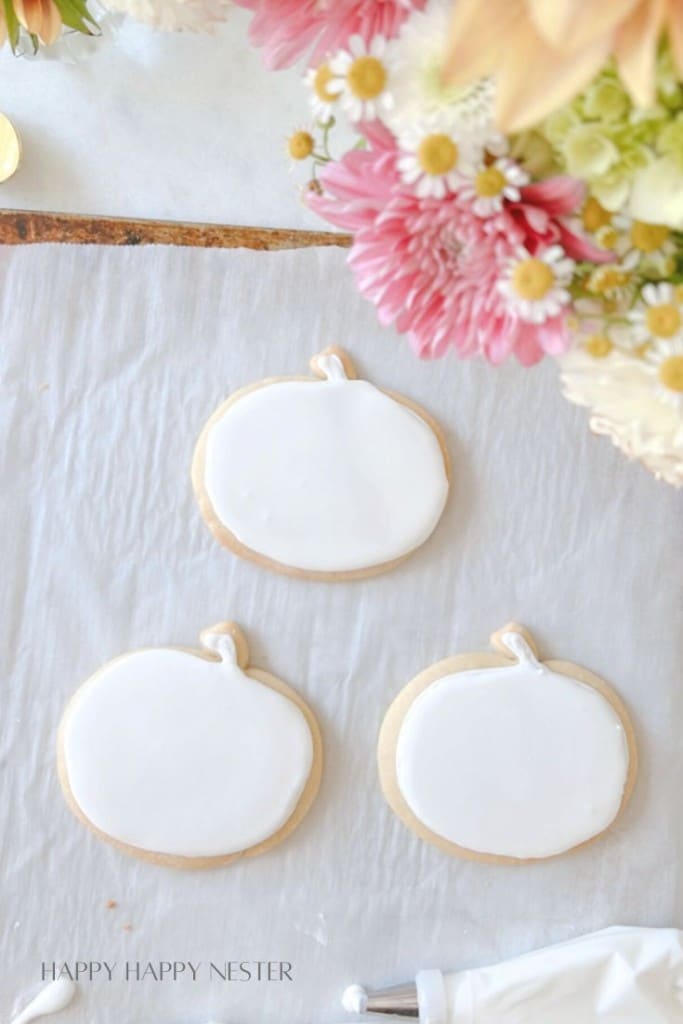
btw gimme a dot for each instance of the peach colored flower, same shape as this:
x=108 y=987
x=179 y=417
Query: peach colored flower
x=39 y=17
x=543 y=52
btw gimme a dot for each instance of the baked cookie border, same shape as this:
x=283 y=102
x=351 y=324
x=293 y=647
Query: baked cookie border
x=305 y=801
x=228 y=540
x=395 y=715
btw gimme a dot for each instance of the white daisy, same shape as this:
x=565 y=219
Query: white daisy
x=432 y=162
x=666 y=360
x=535 y=287
x=659 y=316
x=647 y=239
x=650 y=247
x=625 y=405
x=614 y=282
x=602 y=327
x=492 y=184
x=416 y=61
x=322 y=100
x=360 y=78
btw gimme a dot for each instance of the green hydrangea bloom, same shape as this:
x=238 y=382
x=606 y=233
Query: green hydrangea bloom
x=603 y=139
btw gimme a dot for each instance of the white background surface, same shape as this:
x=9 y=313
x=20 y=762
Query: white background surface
x=112 y=361
x=160 y=125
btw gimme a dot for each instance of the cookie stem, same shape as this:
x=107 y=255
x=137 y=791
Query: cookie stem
x=227 y=640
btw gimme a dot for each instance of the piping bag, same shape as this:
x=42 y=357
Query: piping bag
x=615 y=976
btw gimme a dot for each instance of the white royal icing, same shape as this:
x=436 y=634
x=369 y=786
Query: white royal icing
x=515 y=761
x=354 y=999
x=53 y=998
x=170 y=752
x=329 y=475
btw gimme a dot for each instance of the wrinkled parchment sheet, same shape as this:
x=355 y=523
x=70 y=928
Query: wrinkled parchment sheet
x=112 y=360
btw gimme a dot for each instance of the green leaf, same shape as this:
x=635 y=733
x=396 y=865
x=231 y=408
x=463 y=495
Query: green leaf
x=12 y=22
x=75 y=15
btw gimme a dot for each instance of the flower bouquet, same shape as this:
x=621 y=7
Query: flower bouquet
x=516 y=188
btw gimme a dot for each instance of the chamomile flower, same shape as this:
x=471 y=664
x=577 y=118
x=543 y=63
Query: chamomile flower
x=359 y=76
x=591 y=328
x=492 y=184
x=610 y=237
x=535 y=287
x=659 y=316
x=300 y=144
x=602 y=328
x=614 y=282
x=431 y=162
x=650 y=247
x=598 y=345
x=322 y=100
x=649 y=239
x=666 y=360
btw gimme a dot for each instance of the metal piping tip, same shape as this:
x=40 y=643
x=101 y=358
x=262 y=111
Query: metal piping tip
x=399 y=1001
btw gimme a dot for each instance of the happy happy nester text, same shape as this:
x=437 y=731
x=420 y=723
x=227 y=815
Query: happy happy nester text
x=167 y=970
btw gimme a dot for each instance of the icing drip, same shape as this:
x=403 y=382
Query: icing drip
x=55 y=997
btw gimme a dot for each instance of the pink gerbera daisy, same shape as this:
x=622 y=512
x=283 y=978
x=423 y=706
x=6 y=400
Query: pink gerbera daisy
x=288 y=29
x=433 y=267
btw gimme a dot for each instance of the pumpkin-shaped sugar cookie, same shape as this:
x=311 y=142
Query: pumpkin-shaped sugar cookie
x=189 y=758
x=326 y=476
x=503 y=757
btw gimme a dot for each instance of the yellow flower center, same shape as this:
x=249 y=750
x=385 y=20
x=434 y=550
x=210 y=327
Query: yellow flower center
x=642 y=350
x=671 y=373
x=648 y=237
x=366 y=77
x=532 y=279
x=437 y=154
x=490 y=182
x=607 y=236
x=599 y=346
x=664 y=321
x=323 y=77
x=607 y=279
x=300 y=145
x=595 y=215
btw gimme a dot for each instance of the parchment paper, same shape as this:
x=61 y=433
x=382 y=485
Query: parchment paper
x=112 y=361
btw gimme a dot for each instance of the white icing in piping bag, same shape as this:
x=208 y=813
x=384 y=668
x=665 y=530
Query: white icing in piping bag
x=616 y=976
x=355 y=999
x=55 y=997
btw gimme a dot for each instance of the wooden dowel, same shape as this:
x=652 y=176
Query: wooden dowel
x=20 y=227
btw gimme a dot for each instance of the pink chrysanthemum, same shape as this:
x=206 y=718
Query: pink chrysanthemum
x=287 y=29
x=432 y=266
